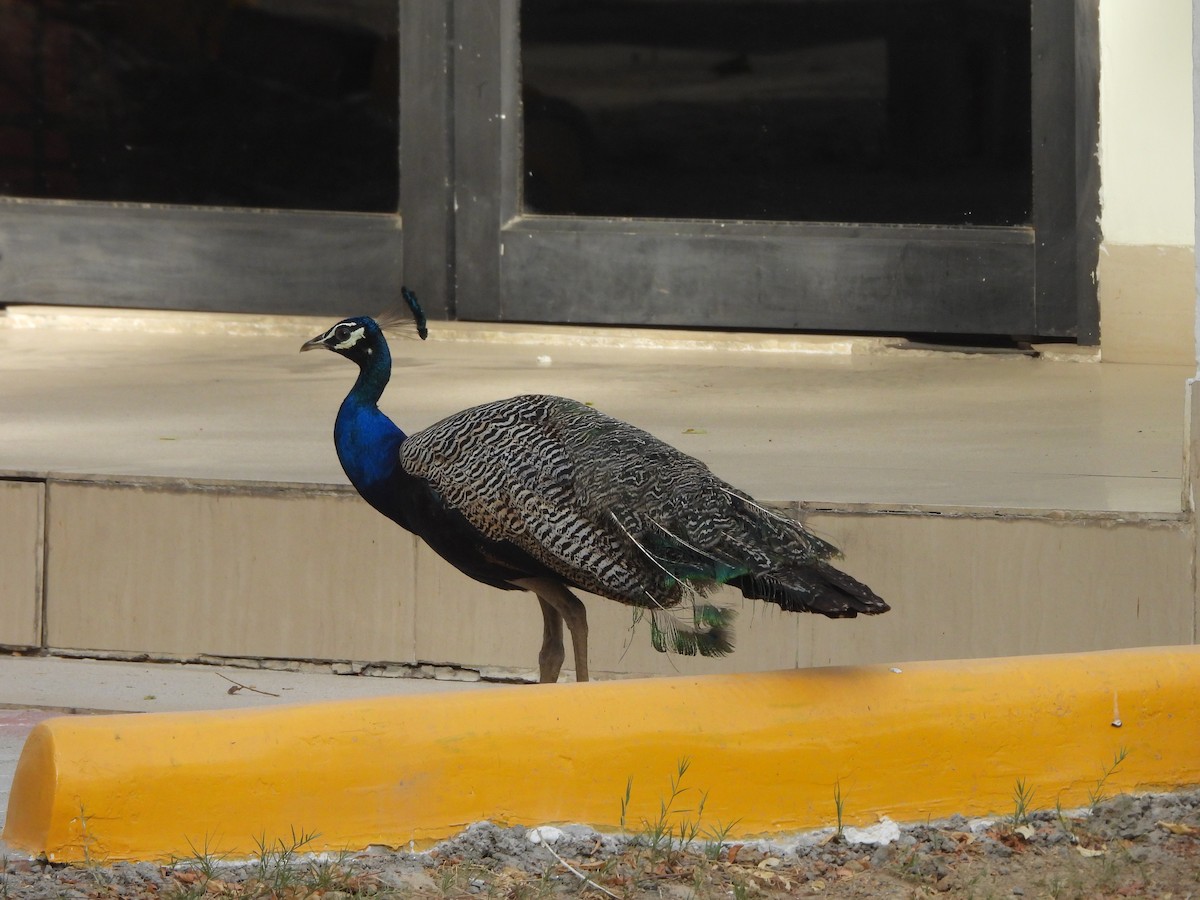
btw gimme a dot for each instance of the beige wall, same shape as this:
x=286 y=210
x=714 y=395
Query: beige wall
x=974 y=587
x=1145 y=281
x=1147 y=303
x=216 y=572
x=226 y=573
x=22 y=505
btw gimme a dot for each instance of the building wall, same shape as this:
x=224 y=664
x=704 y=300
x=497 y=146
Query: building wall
x=1146 y=269
x=22 y=524
x=225 y=571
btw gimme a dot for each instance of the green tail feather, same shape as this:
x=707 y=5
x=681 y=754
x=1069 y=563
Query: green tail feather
x=711 y=633
x=682 y=563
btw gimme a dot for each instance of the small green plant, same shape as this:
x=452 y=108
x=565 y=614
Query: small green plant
x=674 y=828
x=465 y=878
x=277 y=871
x=203 y=860
x=329 y=874
x=1064 y=821
x=839 y=807
x=625 y=803
x=1055 y=886
x=688 y=830
x=1022 y=802
x=718 y=838
x=660 y=832
x=275 y=864
x=908 y=864
x=446 y=880
x=96 y=867
x=1096 y=794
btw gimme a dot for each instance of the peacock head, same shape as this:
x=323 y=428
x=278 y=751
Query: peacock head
x=358 y=339
x=361 y=338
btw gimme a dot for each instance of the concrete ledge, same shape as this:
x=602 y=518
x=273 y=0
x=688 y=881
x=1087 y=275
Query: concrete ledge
x=252 y=580
x=912 y=742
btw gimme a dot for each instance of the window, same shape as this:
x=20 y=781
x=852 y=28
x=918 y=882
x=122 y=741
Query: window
x=911 y=166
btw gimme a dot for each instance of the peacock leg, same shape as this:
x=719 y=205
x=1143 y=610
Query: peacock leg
x=550 y=657
x=572 y=611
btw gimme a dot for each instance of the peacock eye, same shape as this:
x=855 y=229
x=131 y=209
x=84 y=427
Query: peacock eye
x=342 y=332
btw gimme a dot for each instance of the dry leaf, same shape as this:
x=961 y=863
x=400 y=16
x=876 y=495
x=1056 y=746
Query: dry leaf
x=1180 y=828
x=1088 y=852
x=1025 y=831
x=771 y=862
x=734 y=850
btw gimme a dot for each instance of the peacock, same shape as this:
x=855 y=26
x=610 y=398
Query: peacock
x=546 y=494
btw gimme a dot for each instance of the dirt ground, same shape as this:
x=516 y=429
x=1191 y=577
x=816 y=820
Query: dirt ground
x=1129 y=846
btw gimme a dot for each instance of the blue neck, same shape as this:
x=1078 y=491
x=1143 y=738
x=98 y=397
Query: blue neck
x=367 y=441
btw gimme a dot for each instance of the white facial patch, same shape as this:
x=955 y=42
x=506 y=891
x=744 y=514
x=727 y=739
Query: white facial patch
x=355 y=336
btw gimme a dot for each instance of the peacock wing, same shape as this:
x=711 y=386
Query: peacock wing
x=513 y=468
x=603 y=503
x=691 y=523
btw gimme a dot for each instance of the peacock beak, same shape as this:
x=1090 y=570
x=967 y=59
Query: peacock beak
x=318 y=341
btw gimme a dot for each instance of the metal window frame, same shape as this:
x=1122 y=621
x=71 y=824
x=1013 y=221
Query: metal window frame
x=1028 y=281
x=464 y=245
x=255 y=260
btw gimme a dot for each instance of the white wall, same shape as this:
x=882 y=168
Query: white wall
x=1146 y=272
x=1146 y=122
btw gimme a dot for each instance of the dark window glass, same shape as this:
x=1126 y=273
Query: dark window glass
x=901 y=111
x=276 y=103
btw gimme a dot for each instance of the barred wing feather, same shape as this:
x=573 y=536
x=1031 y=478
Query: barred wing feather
x=619 y=512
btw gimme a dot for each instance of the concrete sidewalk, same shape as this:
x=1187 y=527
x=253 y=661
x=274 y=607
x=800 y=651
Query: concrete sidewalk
x=35 y=688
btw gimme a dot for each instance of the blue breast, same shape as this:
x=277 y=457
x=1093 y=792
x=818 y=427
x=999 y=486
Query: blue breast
x=367 y=443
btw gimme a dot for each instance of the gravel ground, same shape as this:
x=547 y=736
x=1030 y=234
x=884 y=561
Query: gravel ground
x=1130 y=846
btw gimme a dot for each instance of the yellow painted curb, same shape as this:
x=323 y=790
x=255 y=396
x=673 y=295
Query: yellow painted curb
x=918 y=741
